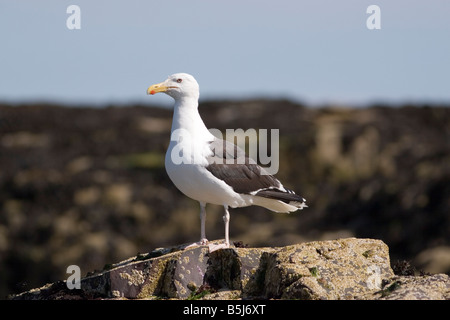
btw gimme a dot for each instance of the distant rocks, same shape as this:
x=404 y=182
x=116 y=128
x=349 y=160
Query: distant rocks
x=338 y=269
x=84 y=185
x=23 y=139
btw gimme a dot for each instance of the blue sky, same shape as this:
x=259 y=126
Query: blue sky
x=312 y=51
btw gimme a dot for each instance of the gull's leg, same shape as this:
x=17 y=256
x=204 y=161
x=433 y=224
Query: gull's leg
x=226 y=220
x=203 y=239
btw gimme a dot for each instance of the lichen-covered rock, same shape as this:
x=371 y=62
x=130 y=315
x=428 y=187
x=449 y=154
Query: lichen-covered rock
x=338 y=269
x=184 y=273
x=429 y=287
x=235 y=268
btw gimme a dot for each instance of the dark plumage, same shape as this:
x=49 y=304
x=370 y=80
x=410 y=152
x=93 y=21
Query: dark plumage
x=244 y=175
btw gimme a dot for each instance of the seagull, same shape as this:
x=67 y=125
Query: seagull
x=198 y=163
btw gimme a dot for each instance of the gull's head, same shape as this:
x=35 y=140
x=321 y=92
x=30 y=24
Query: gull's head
x=178 y=86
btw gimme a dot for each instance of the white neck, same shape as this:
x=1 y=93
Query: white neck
x=186 y=117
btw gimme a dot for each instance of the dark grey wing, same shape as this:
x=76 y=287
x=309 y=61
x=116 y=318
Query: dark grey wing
x=227 y=152
x=230 y=164
x=243 y=178
x=288 y=197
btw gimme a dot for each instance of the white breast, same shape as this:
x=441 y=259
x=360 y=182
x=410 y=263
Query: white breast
x=195 y=181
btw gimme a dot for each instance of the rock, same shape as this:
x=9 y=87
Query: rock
x=339 y=269
x=184 y=274
x=25 y=139
x=431 y=287
x=386 y=171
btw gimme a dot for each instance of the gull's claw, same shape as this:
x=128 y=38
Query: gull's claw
x=214 y=247
x=202 y=242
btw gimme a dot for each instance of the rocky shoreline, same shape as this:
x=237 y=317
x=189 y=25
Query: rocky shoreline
x=86 y=186
x=343 y=269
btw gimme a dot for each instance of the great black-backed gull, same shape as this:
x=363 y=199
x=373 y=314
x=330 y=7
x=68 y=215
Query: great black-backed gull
x=195 y=162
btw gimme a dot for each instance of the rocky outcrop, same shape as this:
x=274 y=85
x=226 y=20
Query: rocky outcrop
x=339 y=269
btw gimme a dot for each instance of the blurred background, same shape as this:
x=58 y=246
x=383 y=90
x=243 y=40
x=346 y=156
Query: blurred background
x=363 y=115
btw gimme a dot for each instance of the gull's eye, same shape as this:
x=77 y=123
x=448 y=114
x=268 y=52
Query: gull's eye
x=179 y=80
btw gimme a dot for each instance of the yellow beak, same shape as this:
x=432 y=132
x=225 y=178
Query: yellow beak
x=159 y=87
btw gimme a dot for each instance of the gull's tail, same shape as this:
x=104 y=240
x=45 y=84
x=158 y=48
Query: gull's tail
x=288 y=196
